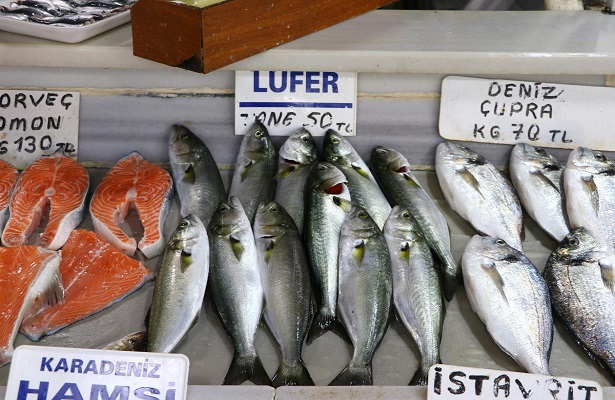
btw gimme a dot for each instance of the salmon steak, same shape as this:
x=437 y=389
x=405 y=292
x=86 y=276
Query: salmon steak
x=55 y=185
x=8 y=180
x=94 y=275
x=135 y=183
x=29 y=281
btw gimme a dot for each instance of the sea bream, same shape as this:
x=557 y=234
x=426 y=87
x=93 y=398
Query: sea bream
x=56 y=184
x=538 y=179
x=197 y=179
x=512 y=299
x=133 y=182
x=479 y=193
x=180 y=286
x=296 y=158
x=237 y=289
x=364 y=189
x=393 y=172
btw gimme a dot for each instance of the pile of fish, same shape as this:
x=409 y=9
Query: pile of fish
x=64 y=12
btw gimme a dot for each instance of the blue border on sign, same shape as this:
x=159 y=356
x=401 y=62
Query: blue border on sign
x=293 y=104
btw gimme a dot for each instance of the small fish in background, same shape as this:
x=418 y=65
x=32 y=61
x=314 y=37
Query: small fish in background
x=510 y=296
x=180 y=286
x=237 y=289
x=538 y=179
x=579 y=274
x=393 y=172
x=195 y=173
x=253 y=179
x=364 y=189
x=64 y=12
x=479 y=193
x=285 y=276
x=136 y=341
x=365 y=293
x=417 y=293
x=296 y=158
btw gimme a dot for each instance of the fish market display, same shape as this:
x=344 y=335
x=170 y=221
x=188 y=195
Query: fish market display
x=538 y=180
x=511 y=298
x=328 y=201
x=581 y=286
x=255 y=169
x=95 y=275
x=30 y=280
x=136 y=341
x=8 y=180
x=364 y=189
x=416 y=288
x=133 y=182
x=64 y=12
x=197 y=179
x=180 y=286
x=365 y=291
x=401 y=186
x=589 y=182
x=237 y=289
x=479 y=193
x=55 y=184
x=296 y=158
x=285 y=276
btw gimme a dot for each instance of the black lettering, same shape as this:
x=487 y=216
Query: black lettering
x=550 y=89
x=20 y=98
x=494 y=89
x=479 y=130
x=51 y=124
x=483 y=109
x=478 y=383
x=509 y=89
x=37 y=123
x=5 y=100
x=554 y=133
x=536 y=89
x=524 y=393
x=289 y=118
x=245 y=117
x=69 y=148
x=18 y=123
x=554 y=391
x=571 y=390
x=437 y=380
x=588 y=391
x=31 y=148
x=564 y=140
x=46 y=144
x=525 y=91
x=2 y=123
x=312 y=116
x=532 y=132
x=323 y=124
x=51 y=99
x=531 y=109
x=516 y=107
x=502 y=110
x=65 y=102
x=499 y=385
x=261 y=117
x=3 y=148
x=37 y=102
x=274 y=120
x=495 y=132
x=546 y=110
x=518 y=131
x=453 y=378
x=24 y=390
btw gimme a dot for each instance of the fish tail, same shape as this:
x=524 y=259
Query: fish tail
x=354 y=376
x=420 y=377
x=245 y=368
x=452 y=279
x=292 y=375
x=324 y=322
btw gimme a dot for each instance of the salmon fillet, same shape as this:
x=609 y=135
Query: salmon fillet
x=133 y=183
x=29 y=280
x=94 y=275
x=8 y=179
x=57 y=184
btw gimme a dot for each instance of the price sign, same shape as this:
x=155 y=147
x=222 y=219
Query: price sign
x=543 y=114
x=285 y=101
x=47 y=373
x=36 y=123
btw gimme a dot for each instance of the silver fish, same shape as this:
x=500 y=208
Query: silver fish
x=237 y=290
x=416 y=288
x=196 y=175
x=589 y=182
x=365 y=292
x=507 y=292
x=364 y=189
x=538 y=179
x=180 y=286
x=296 y=158
x=136 y=341
x=580 y=277
x=479 y=193
x=392 y=170
x=285 y=276
x=328 y=201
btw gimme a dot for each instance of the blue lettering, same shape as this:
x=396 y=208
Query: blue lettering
x=142 y=393
x=63 y=393
x=76 y=366
x=170 y=395
x=120 y=368
x=329 y=79
x=311 y=79
x=134 y=369
x=46 y=364
x=62 y=365
x=283 y=84
x=24 y=390
x=106 y=367
x=152 y=373
x=294 y=80
x=100 y=392
x=91 y=367
x=257 y=87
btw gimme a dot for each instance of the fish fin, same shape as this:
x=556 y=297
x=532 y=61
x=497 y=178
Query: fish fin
x=189 y=175
x=495 y=276
x=420 y=377
x=285 y=172
x=246 y=368
x=344 y=204
x=592 y=189
x=296 y=375
x=543 y=178
x=359 y=251
x=354 y=376
x=324 y=322
x=451 y=280
x=469 y=178
x=237 y=247
x=607 y=273
x=185 y=260
x=268 y=249
x=404 y=252
x=361 y=171
x=411 y=181
x=245 y=169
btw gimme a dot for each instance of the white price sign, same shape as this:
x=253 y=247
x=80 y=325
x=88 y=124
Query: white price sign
x=36 y=123
x=543 y=114
x=450 y=382
x=48 y=373
x=285 y=101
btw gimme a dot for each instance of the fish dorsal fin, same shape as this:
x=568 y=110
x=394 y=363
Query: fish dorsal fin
x=268 y=249
x=590 y=186
x=285 y=172
x=544 y=179
x=185 y=260
x=467 y=176
x=607 y=273
x=494 y=274
x=358 y=252
x=411 y=181
x=245 y=169
x=237 y=247
x=189 y=175
x=361 y=171
x=344 y=204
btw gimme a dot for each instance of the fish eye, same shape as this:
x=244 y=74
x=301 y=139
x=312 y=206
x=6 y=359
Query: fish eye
x=183 y=224
x=335 y=140
x=599 y=156
x=405 y=214
x=224 y=209
x=258 y=134
x=362 y=215
x=573 y=241
x=273 y=208
x=322 y=167
x=381 y=151
x=184 y=135
x=541 y=151
x=500 y=242
x=305 y=138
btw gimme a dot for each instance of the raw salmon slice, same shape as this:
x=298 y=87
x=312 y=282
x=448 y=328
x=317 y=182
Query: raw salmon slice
x=8 y=179
x=136 y=183
x=95 y=275
x=56 y=183
x=29 y=280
